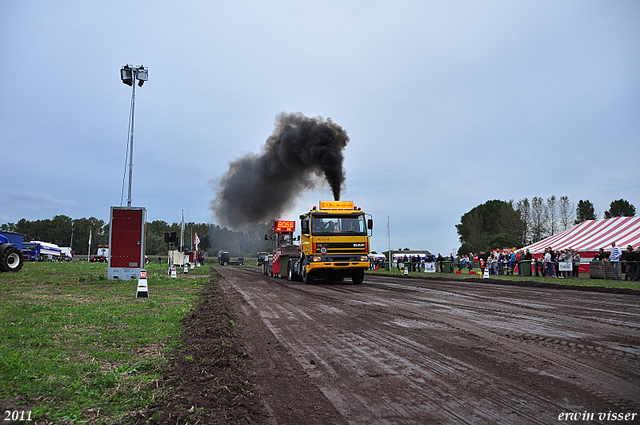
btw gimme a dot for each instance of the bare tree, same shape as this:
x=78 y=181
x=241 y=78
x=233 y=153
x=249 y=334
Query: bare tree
x=538 y=219
x=523 y=207
x=566 y=210
x=552 y=214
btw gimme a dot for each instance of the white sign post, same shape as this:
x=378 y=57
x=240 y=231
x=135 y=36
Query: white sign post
x=143 y=288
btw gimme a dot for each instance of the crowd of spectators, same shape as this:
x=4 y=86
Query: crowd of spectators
x=550 y=264
x=499 y=262
x=415 y=263
x=626 y=262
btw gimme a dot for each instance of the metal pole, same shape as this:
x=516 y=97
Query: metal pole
x=133 y=107
x=390 y=263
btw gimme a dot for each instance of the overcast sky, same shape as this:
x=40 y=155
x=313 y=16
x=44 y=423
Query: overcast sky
x=447 y=104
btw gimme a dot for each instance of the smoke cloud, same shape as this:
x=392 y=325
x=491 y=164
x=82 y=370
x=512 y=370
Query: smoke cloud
x=301 y=153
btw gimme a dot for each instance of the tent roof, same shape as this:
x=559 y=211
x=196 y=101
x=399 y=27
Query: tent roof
x=591 y=235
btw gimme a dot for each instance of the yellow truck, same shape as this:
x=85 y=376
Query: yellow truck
x=334 y=243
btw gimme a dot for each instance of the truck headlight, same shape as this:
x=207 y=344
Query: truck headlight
x=317 y=259
x=364 y=258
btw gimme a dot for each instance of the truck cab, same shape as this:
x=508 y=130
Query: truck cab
x=334 y=242
x=224 y=258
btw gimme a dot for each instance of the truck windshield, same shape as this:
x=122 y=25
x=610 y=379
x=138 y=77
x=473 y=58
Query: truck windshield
x=337 y=225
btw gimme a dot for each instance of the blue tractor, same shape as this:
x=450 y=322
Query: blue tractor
x=10 y=252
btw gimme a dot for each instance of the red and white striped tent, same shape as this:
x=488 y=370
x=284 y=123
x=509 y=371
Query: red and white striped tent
x=591 y=235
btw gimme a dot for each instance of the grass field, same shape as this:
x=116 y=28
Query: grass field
x=78 y=348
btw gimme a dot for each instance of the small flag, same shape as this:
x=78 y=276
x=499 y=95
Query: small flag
x=196 y=241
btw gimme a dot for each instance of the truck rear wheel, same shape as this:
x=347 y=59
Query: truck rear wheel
x=292 y=274
x=11 y=259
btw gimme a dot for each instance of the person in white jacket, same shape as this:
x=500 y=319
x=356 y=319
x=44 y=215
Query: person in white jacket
x=614 y=258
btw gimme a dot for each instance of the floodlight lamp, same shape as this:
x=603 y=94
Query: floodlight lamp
x=126 y=75
x=142 y=73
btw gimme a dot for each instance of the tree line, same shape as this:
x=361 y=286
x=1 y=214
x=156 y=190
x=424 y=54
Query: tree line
x=498 y=224
x=67 y=232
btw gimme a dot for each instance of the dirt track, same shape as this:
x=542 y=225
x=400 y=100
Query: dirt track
x=411 y=351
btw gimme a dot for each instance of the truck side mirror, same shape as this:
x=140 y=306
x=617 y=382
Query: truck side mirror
x=370 y=224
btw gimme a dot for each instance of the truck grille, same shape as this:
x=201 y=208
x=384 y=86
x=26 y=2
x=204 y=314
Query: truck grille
x=359 y=248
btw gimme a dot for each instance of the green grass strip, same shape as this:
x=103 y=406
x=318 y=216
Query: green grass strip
x=76 y=347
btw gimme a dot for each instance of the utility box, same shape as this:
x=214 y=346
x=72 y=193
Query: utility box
x=127 y=231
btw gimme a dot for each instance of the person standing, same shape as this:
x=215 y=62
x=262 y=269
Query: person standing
x=630 y=264
x=568 y=258
x=576 y=263
x=614 y=258
x=548 y=263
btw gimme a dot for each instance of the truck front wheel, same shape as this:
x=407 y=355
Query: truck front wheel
x=307 y=278
x=358 y=277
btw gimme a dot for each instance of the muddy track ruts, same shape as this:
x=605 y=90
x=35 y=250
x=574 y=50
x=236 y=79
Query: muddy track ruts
x=398 y=350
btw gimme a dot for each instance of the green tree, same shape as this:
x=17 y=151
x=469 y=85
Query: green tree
x=58 y=231
x=212 y=237
x=491 y=218
x=620 y=208
x=155 y=237
x=585 y=211
x=500 y=241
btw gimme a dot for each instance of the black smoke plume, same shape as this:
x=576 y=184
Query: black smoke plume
x=300 y=153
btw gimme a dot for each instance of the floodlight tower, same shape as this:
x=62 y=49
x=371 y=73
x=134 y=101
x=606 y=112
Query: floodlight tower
x=129 y=75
